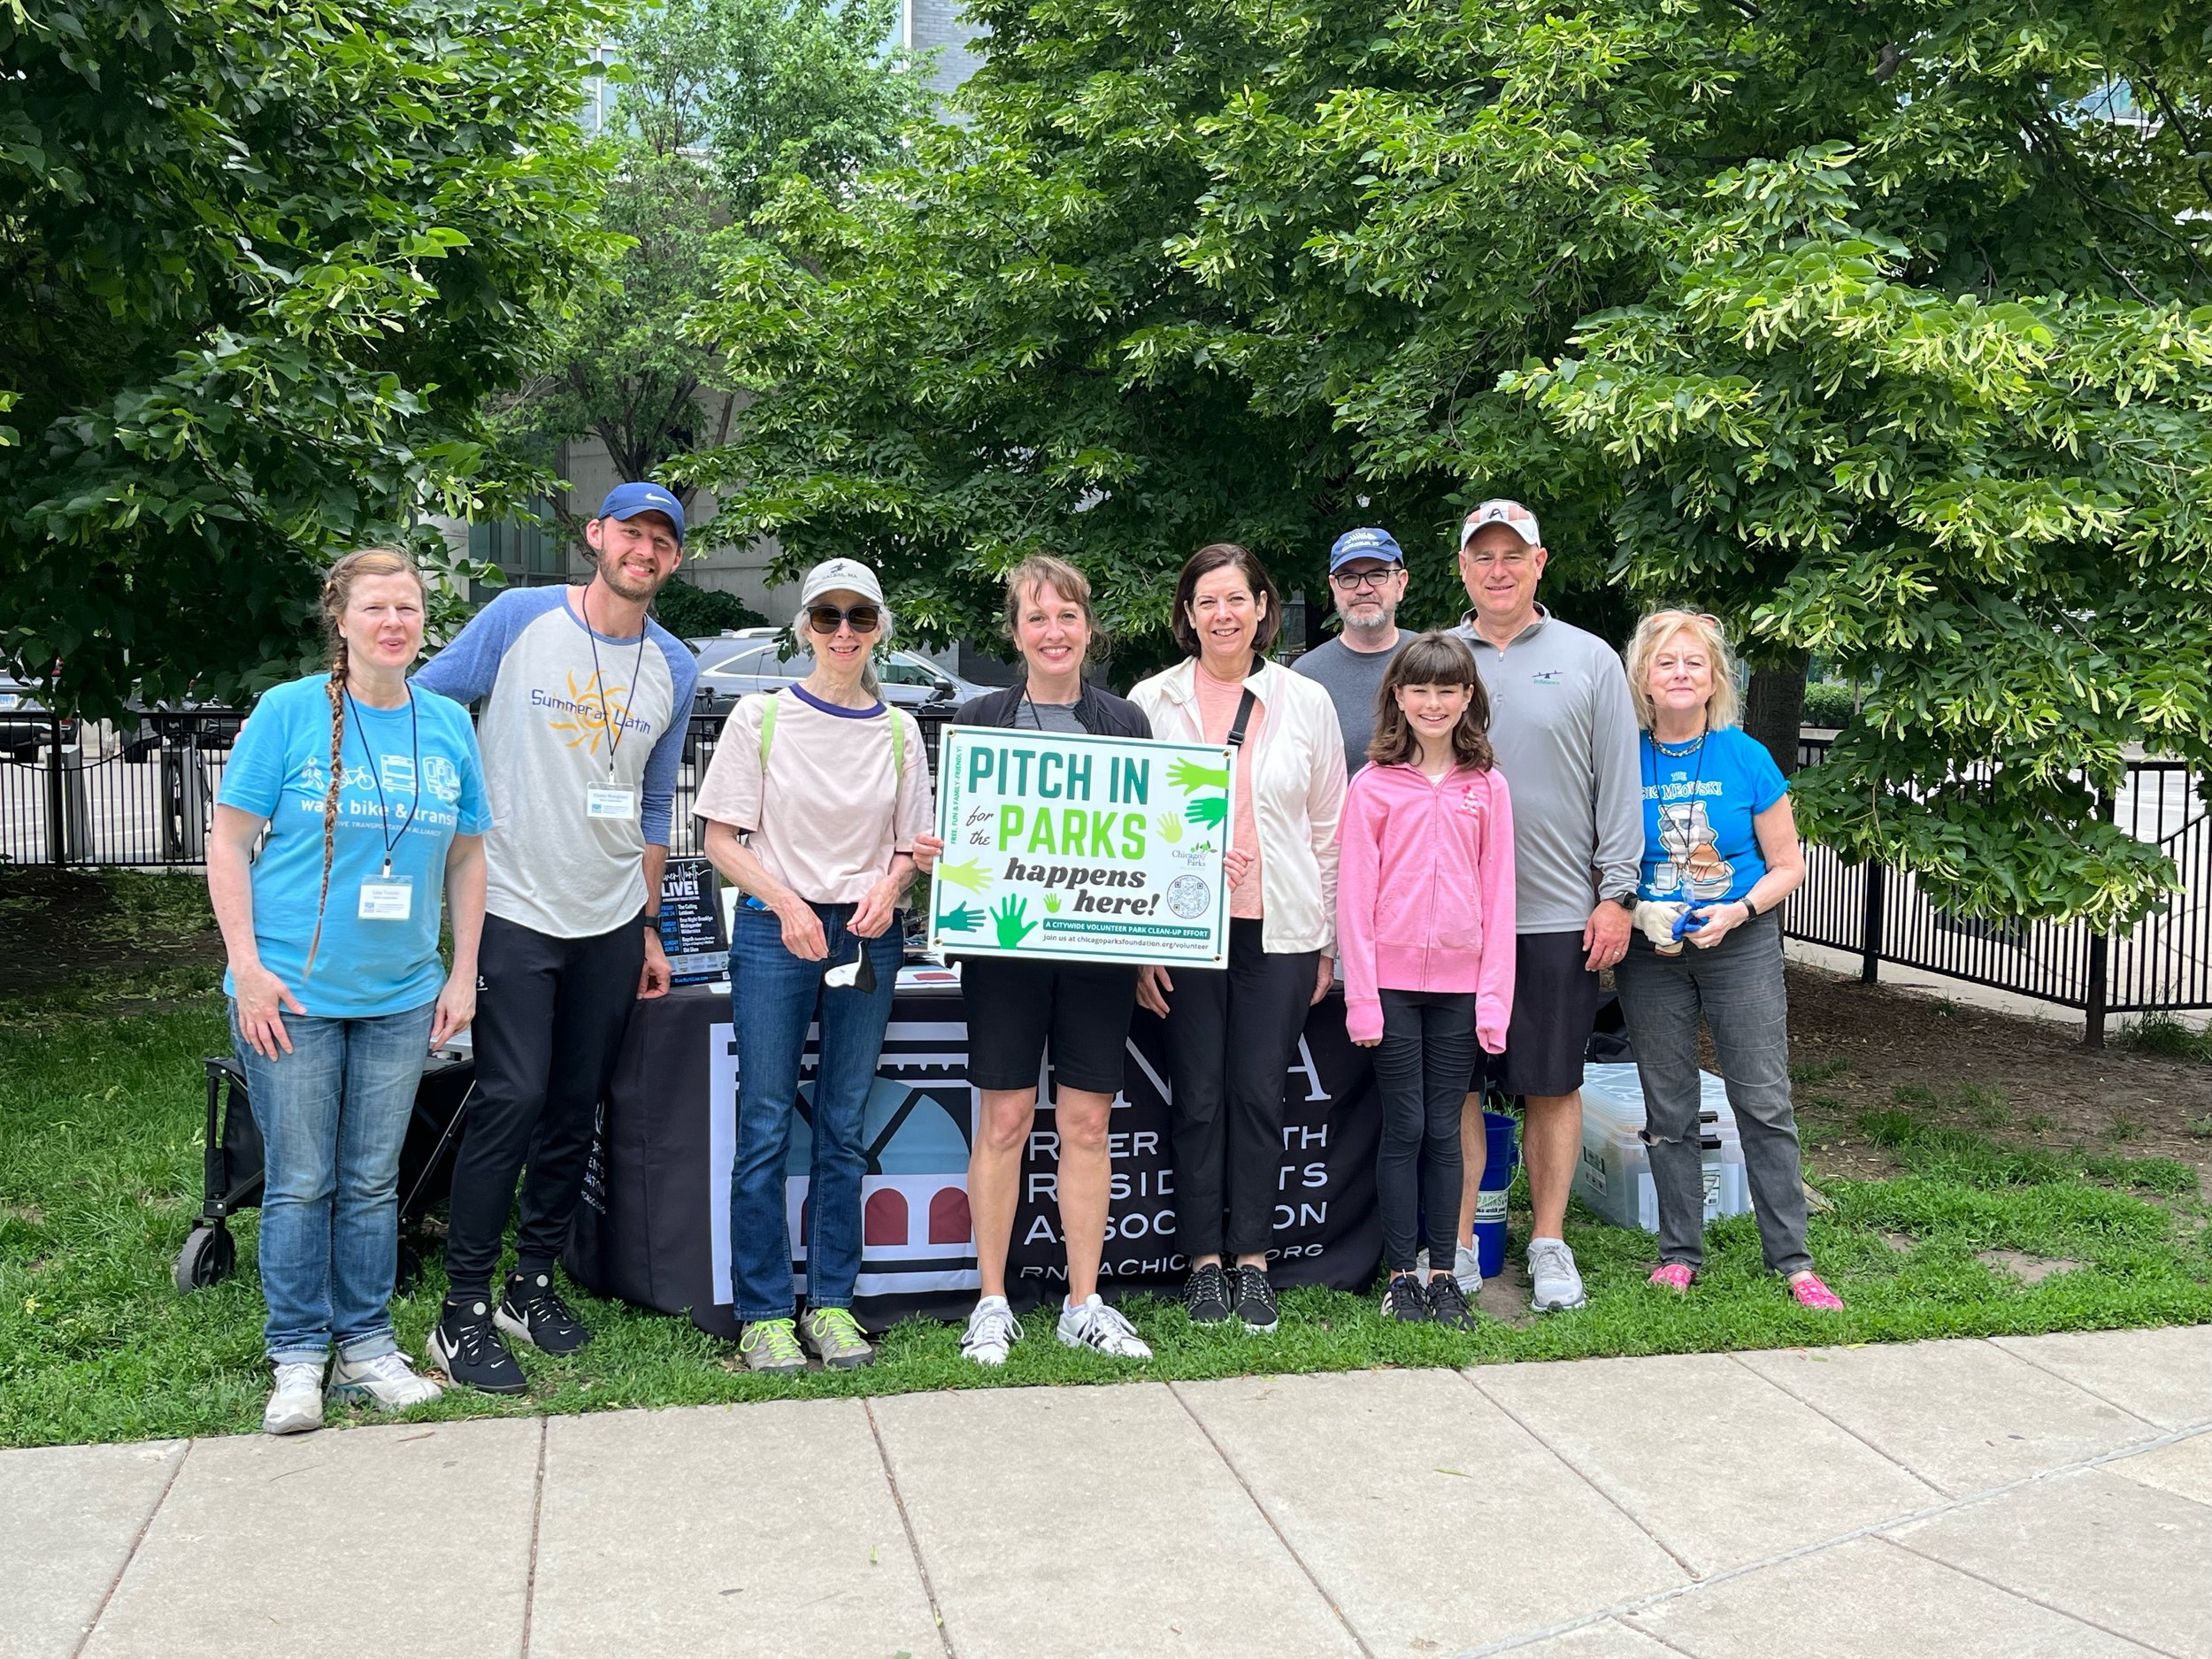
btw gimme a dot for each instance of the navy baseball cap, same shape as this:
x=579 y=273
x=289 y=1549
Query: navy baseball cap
x=1364 y=544
x=626 y=501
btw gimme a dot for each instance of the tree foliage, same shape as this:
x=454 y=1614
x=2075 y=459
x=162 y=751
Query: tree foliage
x=1860 y=321
x=713 y=100
x=265 y=260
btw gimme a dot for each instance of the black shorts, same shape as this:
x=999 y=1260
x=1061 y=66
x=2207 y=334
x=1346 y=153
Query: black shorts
x=1014 y=1007
x=1555 y=1004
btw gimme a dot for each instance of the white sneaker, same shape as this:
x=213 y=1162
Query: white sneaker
x=1467 y=1269
x=388 y=1379
x=1093 y=1324
x=297 y=1404
x=992 y=1331
x=1553 y=1284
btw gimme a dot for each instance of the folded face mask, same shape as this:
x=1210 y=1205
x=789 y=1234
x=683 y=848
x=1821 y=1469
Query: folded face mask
x=859 y=974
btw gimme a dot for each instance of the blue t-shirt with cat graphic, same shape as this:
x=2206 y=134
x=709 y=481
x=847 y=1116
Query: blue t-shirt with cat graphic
x=431 y=788
x=1700 y=799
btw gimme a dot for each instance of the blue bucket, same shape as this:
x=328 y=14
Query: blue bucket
x=1497 y=1176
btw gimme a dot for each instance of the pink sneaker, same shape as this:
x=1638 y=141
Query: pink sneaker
x=1675 y=1275
x=1810 y=1292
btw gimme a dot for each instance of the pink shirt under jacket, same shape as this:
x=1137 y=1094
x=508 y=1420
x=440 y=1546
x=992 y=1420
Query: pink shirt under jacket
x=1424 y=894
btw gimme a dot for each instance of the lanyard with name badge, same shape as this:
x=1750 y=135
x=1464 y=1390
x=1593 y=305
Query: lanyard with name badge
x=389 y=898
x=610 y=800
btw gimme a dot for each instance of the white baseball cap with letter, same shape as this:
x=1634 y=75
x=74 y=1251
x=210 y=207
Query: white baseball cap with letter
x=849 y=574
x=1511 y=514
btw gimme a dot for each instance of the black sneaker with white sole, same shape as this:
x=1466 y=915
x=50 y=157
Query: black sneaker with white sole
x=1448 y=1303
x=465 y=1346
x=1254 y=1300
x=1206 y=1294
x=532 y=1311
x=1404 y=1300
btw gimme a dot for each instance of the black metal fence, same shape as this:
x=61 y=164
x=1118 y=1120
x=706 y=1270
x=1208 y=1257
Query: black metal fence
x=2165 y=961
x=144 y=795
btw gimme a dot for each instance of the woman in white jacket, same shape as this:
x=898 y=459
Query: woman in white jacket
x=1232 y=1030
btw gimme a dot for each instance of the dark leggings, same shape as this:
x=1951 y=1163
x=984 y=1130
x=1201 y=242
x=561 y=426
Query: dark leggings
x=1422 y=1070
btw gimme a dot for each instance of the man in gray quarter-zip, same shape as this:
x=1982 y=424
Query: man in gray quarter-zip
x=1564 y=732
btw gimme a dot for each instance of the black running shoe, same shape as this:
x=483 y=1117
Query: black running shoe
x=532 y=1311
x=1447 y=1304
x=1255 y=1300
x=1404 y=1300
x=464 y=1345
x=1206 y=1295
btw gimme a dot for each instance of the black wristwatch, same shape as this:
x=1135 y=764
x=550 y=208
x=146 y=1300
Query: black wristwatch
x=1626 y=901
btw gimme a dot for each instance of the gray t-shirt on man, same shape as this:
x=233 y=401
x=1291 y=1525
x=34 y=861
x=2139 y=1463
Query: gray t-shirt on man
x=1352 y=679
x=1564 y=732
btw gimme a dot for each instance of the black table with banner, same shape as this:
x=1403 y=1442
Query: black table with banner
x=654 y=1226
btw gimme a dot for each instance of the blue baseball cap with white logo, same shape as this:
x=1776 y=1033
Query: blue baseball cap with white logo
x=626 y=501
x=1364 y=544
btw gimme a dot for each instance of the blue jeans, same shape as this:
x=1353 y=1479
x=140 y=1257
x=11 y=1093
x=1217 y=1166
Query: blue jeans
x=774 y=997
x=332 y=1115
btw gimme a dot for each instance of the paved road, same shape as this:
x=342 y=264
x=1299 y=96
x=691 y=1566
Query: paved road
x=2022 y=1496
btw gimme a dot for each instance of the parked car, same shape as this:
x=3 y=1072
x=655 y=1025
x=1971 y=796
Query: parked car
x=750 y=659
x=26 y=727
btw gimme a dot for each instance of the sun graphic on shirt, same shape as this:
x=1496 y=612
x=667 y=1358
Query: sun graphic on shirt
x=584 y=723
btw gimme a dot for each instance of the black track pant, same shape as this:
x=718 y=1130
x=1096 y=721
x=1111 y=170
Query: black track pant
x=1231 y=1033
x=1422 y=1070
x=549 y=1018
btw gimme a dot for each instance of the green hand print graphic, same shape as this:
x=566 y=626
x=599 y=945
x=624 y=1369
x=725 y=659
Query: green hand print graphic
x=1209 y=809
x=1188 y=776
x=970 y=874
x=1010 y=916
x=960 y=919
x=1052 y=903
x=1171 y=827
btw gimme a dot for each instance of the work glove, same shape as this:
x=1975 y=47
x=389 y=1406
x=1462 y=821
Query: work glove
x=1661 y=922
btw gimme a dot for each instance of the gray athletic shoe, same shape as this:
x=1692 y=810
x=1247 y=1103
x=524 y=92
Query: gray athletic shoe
x=772 y=1346
x=1467 y=1269
x=836 y=1337
x=1553 y=1284
x=1095 y=1326
x=297 y=1404
x=387 y=1381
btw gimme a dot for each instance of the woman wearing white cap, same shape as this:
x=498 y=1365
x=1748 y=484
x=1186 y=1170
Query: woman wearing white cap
x=813 y=800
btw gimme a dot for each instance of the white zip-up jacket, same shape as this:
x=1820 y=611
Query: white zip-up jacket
x=1296 y=768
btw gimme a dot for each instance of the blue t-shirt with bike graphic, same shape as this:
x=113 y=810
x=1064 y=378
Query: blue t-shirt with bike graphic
x=415 y=782
x=1700 y=799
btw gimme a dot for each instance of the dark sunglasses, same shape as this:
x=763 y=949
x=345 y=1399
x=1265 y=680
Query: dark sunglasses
x=827 y=619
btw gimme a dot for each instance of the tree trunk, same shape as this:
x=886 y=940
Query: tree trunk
x=1774 y=707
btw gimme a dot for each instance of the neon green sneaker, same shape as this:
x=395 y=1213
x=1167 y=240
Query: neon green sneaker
x=834 y=1334
x=773 y=1345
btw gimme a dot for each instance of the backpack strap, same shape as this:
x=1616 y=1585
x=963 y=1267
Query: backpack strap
x=898 y=749
x=767 y=732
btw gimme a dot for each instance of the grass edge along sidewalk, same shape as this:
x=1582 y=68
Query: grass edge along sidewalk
x=100 y=1122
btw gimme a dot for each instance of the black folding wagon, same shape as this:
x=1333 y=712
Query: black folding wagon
x=232 y=1172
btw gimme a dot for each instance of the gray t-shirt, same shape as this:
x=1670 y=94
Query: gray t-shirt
x=1564 y=732
x=1352 y=679
x=1048 y=717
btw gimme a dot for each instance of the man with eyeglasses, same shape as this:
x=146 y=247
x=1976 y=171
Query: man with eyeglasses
x=1367 y=579
x=585 y=700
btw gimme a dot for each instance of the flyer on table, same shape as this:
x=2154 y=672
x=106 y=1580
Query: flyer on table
x=1082 y=848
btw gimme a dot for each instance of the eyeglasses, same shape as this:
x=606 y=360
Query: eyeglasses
x=1358 y=579
x=828 y=618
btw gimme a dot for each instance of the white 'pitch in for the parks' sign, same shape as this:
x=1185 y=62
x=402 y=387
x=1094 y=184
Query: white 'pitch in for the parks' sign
x=1082 y=848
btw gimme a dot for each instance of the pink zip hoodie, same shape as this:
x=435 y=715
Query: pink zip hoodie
x=1424 y=894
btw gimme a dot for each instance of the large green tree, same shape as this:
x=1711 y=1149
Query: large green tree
x=1263 y=270
x=711 y=102
x=264 y=261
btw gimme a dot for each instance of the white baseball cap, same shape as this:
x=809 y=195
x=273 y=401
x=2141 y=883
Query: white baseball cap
x=849 y=574
x=1511 y=514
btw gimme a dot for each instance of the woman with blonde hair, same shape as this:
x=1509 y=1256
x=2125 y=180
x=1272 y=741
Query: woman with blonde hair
x=372 y=796
x=1720 y=856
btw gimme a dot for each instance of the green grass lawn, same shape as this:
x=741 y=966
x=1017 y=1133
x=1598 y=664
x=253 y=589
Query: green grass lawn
x=101 y=1116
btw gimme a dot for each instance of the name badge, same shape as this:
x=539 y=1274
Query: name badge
x=387 y=899
x=606 y=802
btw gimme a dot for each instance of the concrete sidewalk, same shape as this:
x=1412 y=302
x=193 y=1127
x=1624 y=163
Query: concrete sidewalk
x=2025 y=1495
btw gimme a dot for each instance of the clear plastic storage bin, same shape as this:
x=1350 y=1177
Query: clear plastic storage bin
x=1614 y=1174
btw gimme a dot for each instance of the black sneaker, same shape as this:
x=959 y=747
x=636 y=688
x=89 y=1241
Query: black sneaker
x=466 y=1347
x=1447 y=1304
x=1404 y=1300
x=1206 y=1294
x=532 y=1311
x=1255 y=1300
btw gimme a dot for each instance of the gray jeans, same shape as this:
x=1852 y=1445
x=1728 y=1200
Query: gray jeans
x=1739 y=985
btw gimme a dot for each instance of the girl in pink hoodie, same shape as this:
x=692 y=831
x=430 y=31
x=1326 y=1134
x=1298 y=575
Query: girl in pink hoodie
x=1425 y=936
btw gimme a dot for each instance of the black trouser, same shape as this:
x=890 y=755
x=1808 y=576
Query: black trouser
x=1231 y=1033
x=1422 y=1069
x=549 y=1018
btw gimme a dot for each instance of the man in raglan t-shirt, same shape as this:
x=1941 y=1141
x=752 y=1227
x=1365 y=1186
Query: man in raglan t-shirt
x=585 y=701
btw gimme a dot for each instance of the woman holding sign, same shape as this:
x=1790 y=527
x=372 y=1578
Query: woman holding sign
x=1232 y=1030
x=372 y=796
x=1014 y=1006
x=813 y=800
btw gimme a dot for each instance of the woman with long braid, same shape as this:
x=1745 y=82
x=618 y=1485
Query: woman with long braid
x=372 y=796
